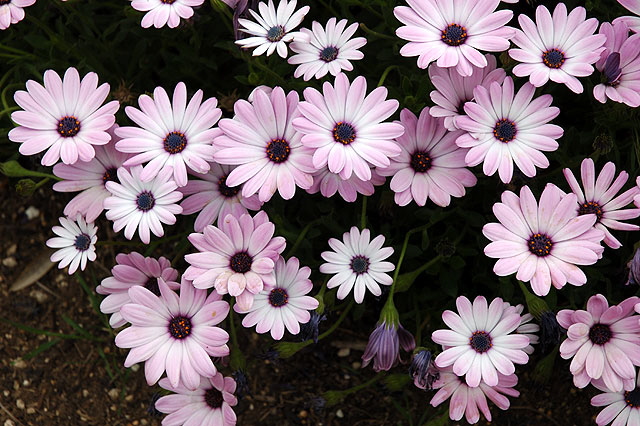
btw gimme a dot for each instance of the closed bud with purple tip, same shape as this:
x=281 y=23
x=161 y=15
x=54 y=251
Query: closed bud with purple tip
x=423 y=370
x=634 y=269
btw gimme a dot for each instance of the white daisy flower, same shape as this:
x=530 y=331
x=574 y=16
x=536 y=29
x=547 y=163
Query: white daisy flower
x=76 y=241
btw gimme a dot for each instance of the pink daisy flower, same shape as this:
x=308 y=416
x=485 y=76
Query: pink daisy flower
x=172 y=134
x=262 y=142
x=543 y=242
x=559 y=48
x=165 y=12
x=90 y=178
x=452 y=32
x=76 y=241
x=357 y=263
x=144 y=206
x=328 y=183
x=326 y=49
x=174 y=333
x=598 y=198
x=619 y=65
x=284 y=305
x=453 y=90
x=133 y=269
x=344 y=127
x=11 y=12
x=603 y=342
x=526 y=327
x=471 y=401
x=480 y=343
x=236 y=257
x=214 y=199
x=209 y=404
x=632 y=21
x=506 y=128
x=63 y=117
x=431 y=165
x=622 y=408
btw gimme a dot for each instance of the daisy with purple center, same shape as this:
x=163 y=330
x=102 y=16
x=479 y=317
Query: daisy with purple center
x=76 y=241
x=453 y=90
x=165 y=12
x=63 y=117
x=506 y=128
x=480 y=343
x=633 y=22
x=172 y=134
x=542 y=242
x=452 y=32
x=284 y=305
x=328 y=183
x=559 y=48
x=174 y=333
x=263 y=143
x=344 y=127
x=357 y=263
x=11 y=12
x=598 y=198
x=327 y=49
x=237 y=257
x=214 y=199
x=133 y=269
x=209 y=404
x=431 y=165
x=144 y=206
x=622 y=408
x=603 y=342
x=273 y=27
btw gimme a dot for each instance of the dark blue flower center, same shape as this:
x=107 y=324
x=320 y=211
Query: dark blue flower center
x=275 y=34
x=82 y=242
x=344 y=133
x=68 y=126
x=454 y=35
x=175 y=142
x=590 y=207
x=360 y=264
x=240 y=263
x=226 y=191
x=278 y=150
x=600 y=334
x=553 y=58
x=278 y=297
x=505 y=130
x=480 y=341
x=213 y=398
x=110 y=175
x=540 y=245
x=145 y=201
x=420 y=161
x=180 y=327
x=329 y=53
x=632 y=398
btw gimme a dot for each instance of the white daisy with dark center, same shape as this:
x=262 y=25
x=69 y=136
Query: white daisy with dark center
x=75 y=242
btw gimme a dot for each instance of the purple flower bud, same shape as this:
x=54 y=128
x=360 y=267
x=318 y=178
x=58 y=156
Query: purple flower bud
x=310 y=329
x=634 y=269
x=242 y=384
x=550 y=331
x=612 y=71
x=423 y=370
x=384 y=346
x=242 y=11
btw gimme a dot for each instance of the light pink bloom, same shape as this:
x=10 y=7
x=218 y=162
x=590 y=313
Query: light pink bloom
x=619 y=65
x=174 y=333
x=209 y=404
x=328 y=183
x=357 y=263
x=526 y=327
x=284 y=305
x=214 y=199
x=165 y=12
x=559 y=48
x=470 y=402
x=262 y=142
x=172 y=133
x=431 y=165
x=133 y=269
x=344 y=127
x=506 y=128
x=452 y=32
x=63 y=117
x=11 y=12
x=144 y=206
x=236 y=257
x=543 y=242
x=632 y=21
x=76 y=241
x=623 y=408
x=90 y=178
x=326 y=49
x=384 y=345
x=598 y=198
x=604 y=343
x=453 y=90
x=480 y=343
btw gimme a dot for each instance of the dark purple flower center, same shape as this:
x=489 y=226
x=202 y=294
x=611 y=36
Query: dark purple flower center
x=600 y=334
x=275 y=33
x=110 y=175
x=168 y=1
x=145 y=201
x=480 y=341
x=540 y=245
x=180 y=327
x=175 y=142
x=360 y=264
x=420 y=161
x=68 y=126
x=278 y=297
x=152 y=286
x=329 y=53
x=632 y=398
x=454 y=35
x=213 y=398
x=590 y=207
x=3 y=2
x=240 y=263
x=612 y=71
x=278 y=150
x=82 y=242
x=553 y=58
x=505 y=130
x=225 y=190
x=344 y=133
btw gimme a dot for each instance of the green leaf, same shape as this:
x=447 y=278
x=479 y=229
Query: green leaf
x=13 y=169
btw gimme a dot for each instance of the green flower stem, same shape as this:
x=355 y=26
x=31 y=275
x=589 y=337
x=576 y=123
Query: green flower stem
x=403 y=251
x=237 y=360
x=385 y=73
x=334 y=397
x=368 y=30
x=363 y=213
x=301 y=236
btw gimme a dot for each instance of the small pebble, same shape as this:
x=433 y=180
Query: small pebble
x=85 y=393
x=114 y=393
x=10 y=262
x=344 y=352
x=12 y=249
x=19 y=363
x=20 y=404
x=31 y=410
x=129 y=398
x=9 y=422
x=135 y=367
x=32 y=212
x=339 y=414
